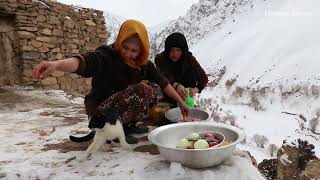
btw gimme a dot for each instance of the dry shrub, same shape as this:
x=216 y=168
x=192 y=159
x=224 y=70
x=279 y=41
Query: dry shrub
x=229 y=117
x=223 y=100
x=230 y=82
x=315 y=90
x=313 y=123
x=273 y=149
x=255 y=103
x=238 y=92
x=260 y=140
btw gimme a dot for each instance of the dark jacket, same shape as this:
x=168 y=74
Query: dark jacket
x=186 y=71
x=110 y=74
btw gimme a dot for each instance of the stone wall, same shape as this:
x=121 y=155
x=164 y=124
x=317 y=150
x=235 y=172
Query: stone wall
x=47 y=30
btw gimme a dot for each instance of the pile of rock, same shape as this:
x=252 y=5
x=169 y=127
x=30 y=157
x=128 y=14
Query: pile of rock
x=296 y=160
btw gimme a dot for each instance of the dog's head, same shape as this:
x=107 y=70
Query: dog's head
x=99 y=119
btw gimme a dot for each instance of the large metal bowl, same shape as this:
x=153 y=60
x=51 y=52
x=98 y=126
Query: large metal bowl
x=174 y=115
x=166 y=138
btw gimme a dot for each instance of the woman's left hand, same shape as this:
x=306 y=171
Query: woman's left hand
x=184 y=110
x=193 y=91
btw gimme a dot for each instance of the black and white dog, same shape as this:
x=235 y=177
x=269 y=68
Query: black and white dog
x=105 y=126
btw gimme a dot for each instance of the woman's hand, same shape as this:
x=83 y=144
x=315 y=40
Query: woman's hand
x=169 y=91
x=47 y=67
x=44 y=68
x=184 y=110
x=181 y=90
x=193 y=91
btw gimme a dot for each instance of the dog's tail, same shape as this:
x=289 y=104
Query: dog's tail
x=85 y=138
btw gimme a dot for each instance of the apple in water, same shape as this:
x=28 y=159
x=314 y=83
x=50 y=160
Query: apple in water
x=201 y=144
x=193 y=136
x=191 y=144
x=183 y=144
x=209 y=135
x=211 y=144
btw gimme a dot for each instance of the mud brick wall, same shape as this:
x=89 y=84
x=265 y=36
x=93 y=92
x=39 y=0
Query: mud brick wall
x=36 y=30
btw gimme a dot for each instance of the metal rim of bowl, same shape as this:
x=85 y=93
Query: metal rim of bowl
x=166 y=114
x=241 y=135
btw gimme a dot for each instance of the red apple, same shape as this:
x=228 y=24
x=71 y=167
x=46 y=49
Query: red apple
x=208 y=135
x=211 y=144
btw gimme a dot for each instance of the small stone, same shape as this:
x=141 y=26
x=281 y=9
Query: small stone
x=41 y=18
x=27 y=48
x=75 y=51
x=43 y=49
x=30 y=29
x=43 y=39
x=76 y=41
x=69 y=23
x=21 y=17
x=49 y=81
x=46 y=31
x=88 y=81
x=53 y=20
x=35 y=43
x=54 y=86
x=72 y=46
x=90 y=48
x=59 y=56
x=48 y=45
x=23 y=42
x=74 y=76
x=90 y=23
x=55 y=50
x=57 y=74
x=26 y=35
x=102 y=36
x=30 y=55
x=57 y=32
x=27 y=72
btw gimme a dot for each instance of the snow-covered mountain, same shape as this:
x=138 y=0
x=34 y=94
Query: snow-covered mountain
x=202 y=18
x=278 y=41
x=113 y=23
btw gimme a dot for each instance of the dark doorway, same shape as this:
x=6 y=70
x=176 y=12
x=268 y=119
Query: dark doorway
x=8 y=71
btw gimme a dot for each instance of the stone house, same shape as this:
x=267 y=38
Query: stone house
x=36 y=30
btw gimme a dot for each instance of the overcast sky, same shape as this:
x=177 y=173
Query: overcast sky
x=150 y=12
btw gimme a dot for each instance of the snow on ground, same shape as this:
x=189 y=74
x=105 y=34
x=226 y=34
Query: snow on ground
x=271 y=122
x=34 y=129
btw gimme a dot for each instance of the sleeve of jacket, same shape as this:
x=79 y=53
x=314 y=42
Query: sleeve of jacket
x=155 y=76
x=202 y=76
x=163 y=69
x=93 y=62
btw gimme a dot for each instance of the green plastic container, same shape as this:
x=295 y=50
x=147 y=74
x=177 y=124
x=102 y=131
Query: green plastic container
x=189 y=101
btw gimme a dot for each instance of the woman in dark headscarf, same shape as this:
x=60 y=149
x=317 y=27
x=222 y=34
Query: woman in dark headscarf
x=180 y=67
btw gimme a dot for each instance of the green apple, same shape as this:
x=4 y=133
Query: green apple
x=183 y=144
x=201 y=144
x=193 y=136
